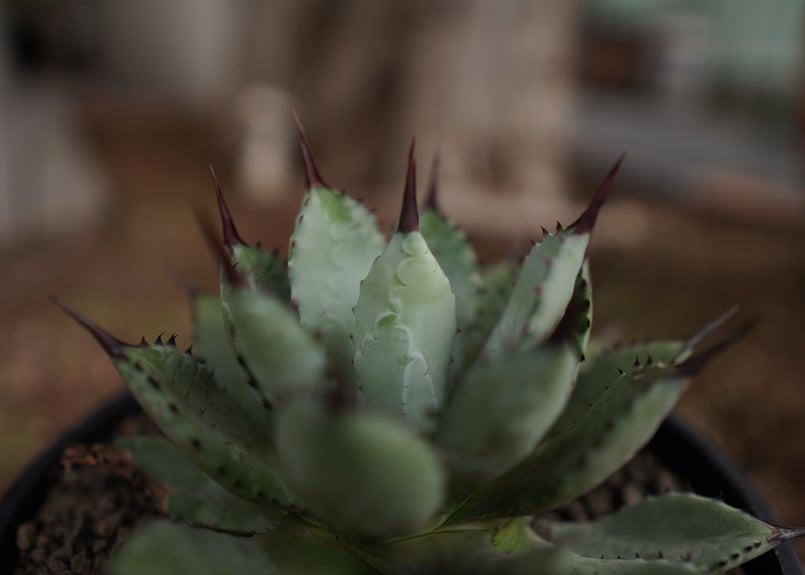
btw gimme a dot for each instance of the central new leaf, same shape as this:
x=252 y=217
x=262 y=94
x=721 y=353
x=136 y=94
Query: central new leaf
x=405 y=321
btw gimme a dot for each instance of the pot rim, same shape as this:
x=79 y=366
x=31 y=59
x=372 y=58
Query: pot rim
x=708 y=471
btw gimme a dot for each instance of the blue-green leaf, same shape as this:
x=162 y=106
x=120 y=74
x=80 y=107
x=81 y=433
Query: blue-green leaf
x=363 y=473
x=193 y=497
x=181 y=396
x=621 y=421
x=211 y=343
x=680 y=528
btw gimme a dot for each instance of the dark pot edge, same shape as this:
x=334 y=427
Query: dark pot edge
x=712 y=474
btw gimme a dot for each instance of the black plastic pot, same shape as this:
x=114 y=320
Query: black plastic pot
x=690 y=456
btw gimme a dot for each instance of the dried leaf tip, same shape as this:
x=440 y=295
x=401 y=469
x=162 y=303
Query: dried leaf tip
x=586 y=221
x=704 y=332
x=696 y=363
x=409 y=215
x=219 y=252
x=113 y=346
x=230 y=232
x=432 y=203
x=313 y=178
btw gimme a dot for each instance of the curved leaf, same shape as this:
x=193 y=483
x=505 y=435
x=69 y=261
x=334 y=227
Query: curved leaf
x=228 y=442
x=263 y=270
x=680 y=528
x=602 y=371
x=458 y=261
x=194 y=498
x=211 y=343
x=363 y=473
x=404 y=325
x=621 y=421
x=282 y=358
x=542 y=291
x=164 y=548
x=497 y=282
x=332 y=248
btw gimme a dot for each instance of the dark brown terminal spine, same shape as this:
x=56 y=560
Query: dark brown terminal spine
x=313 y=178
x=230 y=232
x=113 y=346
x=586 y=221
x=409 y=215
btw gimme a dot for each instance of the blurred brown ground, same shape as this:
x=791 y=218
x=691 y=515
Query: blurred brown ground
x=124 y=275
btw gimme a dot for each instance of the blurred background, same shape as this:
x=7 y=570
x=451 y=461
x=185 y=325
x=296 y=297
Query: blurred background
x=111 y=112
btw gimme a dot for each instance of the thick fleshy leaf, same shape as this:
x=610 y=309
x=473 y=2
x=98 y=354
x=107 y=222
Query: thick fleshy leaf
x=558 y=561
x=194 y=498
x=621 y=421
x=600 y=372
x=497 y=282
x=228 y=442
x=282 y=358
x=332 y=249
x=502 y=408
x=458 y=261
x=211 y=343
x=547 y=278
x=681 y=528
x=363 y=473
x=260 y=269
x=505 y=404
x=404 y=325
x=542 y=291
x=164 y=548
x=263 y=270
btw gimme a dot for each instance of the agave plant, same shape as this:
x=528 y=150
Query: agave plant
x=374 y=406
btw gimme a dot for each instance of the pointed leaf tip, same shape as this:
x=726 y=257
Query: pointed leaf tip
x=230 y=232
x=696 y=363
x=704 y=332
x=113 y=346
x=313 y=178
x=586 y=221
x=432 y=202
x=409 y=215
x=219 y=251
x=783 y=534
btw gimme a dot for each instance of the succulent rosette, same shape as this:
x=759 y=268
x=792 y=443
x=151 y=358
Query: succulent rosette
x=377 y=405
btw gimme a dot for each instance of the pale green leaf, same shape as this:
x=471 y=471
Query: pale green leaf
x=542 y=291
x=211 y=343
x=263 y=270
x=404 y=326
x=332 y=249
x=497 y=282
x=282 y=358
x=363 y=473
x=458 y=261
x=503 y=407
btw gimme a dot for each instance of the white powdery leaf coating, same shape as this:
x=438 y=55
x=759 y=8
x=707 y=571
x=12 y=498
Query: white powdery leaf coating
x=404 y=324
